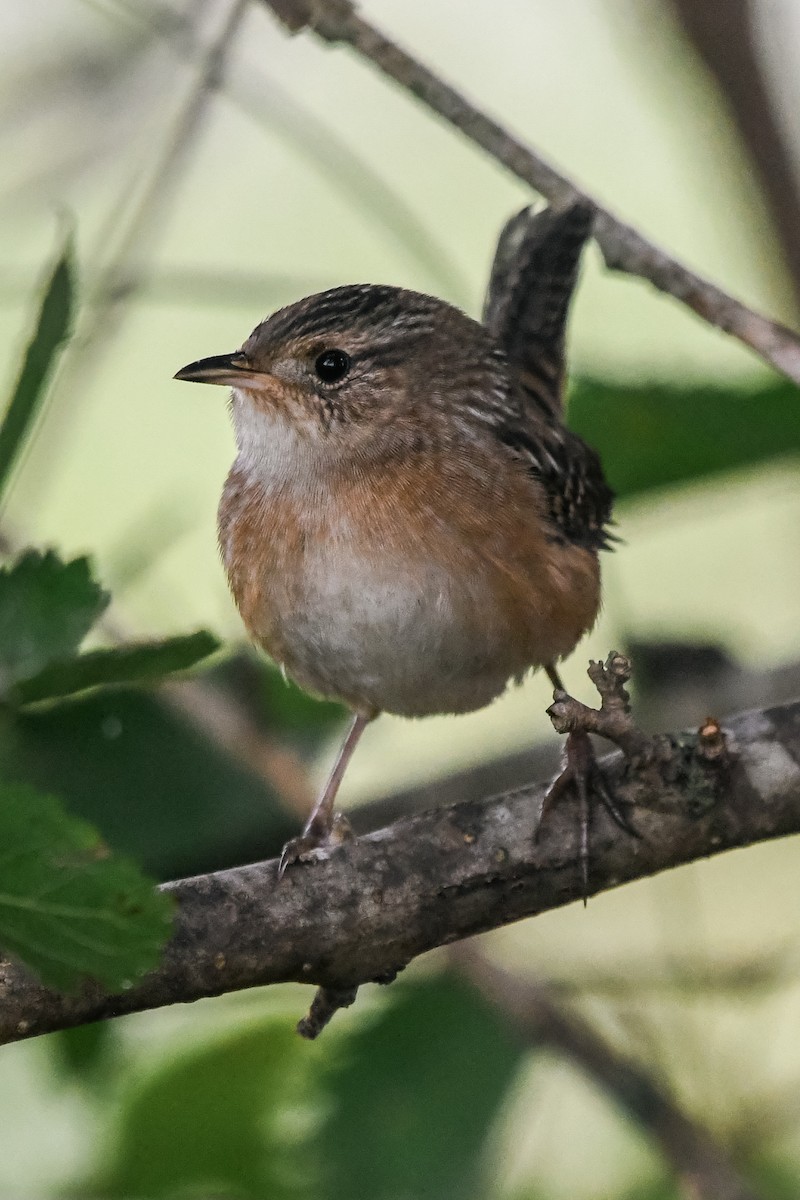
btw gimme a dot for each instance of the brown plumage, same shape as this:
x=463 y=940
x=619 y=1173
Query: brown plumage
x=408 y=525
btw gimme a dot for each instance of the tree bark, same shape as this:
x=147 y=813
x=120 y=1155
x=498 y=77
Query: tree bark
x=428 y=880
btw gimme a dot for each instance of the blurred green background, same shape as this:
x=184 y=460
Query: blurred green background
x=213 y=169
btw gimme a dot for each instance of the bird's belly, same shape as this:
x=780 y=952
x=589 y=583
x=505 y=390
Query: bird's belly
x=431 y=613
x=394 y=636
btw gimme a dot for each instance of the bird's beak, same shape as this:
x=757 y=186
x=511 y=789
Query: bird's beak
x=229 y=370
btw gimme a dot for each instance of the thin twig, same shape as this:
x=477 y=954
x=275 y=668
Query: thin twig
x=132 y=238
x=624 y=249
x=701 y=1166
x=130 y=230
x=329 y=151
x=725 y=36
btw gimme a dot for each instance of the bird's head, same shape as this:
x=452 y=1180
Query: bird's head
x=356 y=370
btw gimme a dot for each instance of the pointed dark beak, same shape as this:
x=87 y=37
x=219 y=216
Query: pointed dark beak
x=230 y=370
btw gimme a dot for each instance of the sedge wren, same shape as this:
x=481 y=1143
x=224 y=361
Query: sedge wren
x=409 y=525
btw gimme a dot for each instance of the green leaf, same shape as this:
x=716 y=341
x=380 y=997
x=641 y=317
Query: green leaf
x=286 y=710
x=157 y=787
x=46 y=609
x=772 y=1177
x=225 y=1119
x=86 y=1055
x=655 y=435
x=131 y=663
x=415 y=1098
x=292 y=713
x=52 y=330
x=657 y=1189
x=68 y=908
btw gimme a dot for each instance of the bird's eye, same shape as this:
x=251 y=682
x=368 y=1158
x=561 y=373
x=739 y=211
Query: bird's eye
x=332 y=365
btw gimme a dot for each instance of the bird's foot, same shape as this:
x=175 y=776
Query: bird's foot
x=325 y=830
x=581 y=773
x=316 y=842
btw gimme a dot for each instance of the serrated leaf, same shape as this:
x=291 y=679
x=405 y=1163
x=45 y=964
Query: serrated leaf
x=132 y=663
x=656 y=435
x=46 y=609
x=156 y=786
x=68 y=908
x=52 y=330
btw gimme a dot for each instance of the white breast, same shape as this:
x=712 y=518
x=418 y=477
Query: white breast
x=398 y=636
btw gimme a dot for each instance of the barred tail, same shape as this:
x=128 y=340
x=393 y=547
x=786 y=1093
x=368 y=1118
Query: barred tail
x=531 y=284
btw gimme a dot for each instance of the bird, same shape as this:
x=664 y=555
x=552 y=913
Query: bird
x=409 y=526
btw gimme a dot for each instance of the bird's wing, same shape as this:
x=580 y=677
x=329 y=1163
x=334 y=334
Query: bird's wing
x=578 y=499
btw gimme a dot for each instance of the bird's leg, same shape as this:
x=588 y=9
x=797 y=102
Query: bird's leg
x=581 y=774
x=324 y=827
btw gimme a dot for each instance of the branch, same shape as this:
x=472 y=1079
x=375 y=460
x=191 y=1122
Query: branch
x=661 y=704
x=724 y=36
x=624 y=249
x=700 y=1164
x=431 y=879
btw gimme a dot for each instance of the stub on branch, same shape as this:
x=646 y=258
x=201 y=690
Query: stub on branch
x=612 y=720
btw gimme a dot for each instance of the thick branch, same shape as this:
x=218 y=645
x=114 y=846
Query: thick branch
x=442 y=875
x=623 y=248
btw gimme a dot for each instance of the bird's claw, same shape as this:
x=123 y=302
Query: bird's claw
x=581 y=774
x=316 y=844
